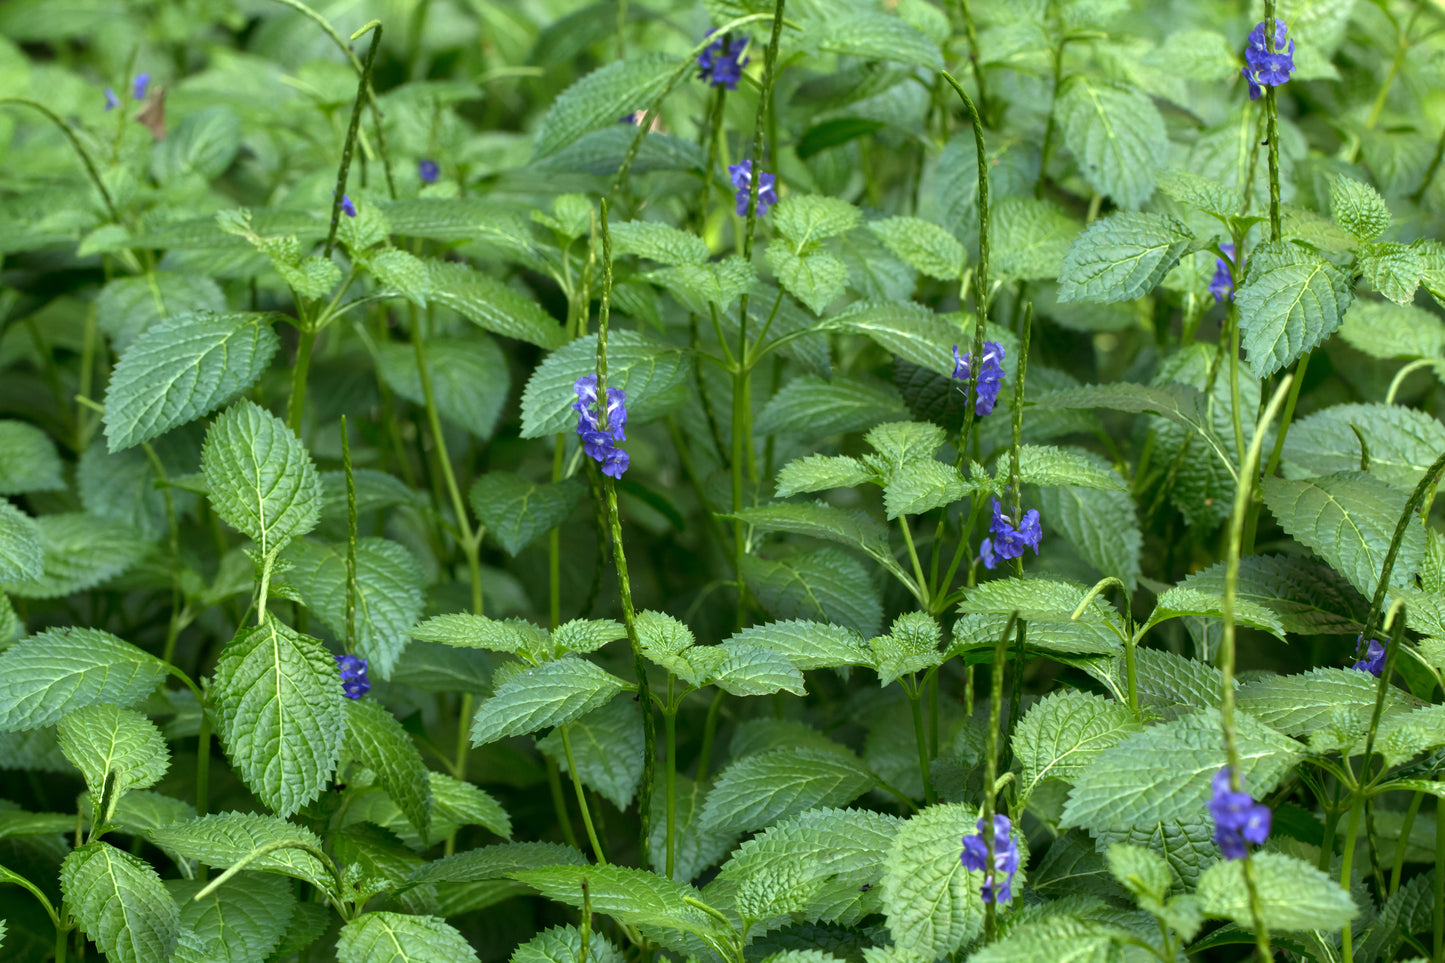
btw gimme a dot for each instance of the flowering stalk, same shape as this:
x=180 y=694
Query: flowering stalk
x=990 y=763
x=624 y=584
x=1016 y=483
x=362 y=86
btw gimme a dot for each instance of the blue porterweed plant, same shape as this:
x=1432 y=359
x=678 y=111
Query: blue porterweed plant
x=577 y=557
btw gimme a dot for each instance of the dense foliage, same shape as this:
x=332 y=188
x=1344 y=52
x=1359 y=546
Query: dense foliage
x=844 y=480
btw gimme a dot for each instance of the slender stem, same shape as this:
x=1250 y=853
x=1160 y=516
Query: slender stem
x=585 y=924
x=350 y=539
x=709 y=732
x=1402 y=841
x=970 y=33
x=669 y=721
x=990 y=760
x=916 y=707
x=203 y=763
x=554 y=545
x=559 y=802
x=581 y=795
x=459 y=761
x=1352 y=832
x=306 y=341
x=1437 y=917
x=75 y=144
x=1049 y=127
x=363 y=84
x=924 y=592
x=1431 y=170
x=1271 y=113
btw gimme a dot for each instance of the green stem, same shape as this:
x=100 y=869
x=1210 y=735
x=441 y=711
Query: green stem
x=350 y=539
x=669 y=721
x=363 y=84
x=990 y=761
x=709 y=733
x=1352 y=832
x=1271 y=114
x=75 y=144
x=1402 y=842
x=203 y=763
x=554 y=545
x=559 y=802
x=306 y=341
x=970 y=33
x=924 y=593
x=916 y=707
x=581 y=796
x=1437 y=917
x=1049 y=127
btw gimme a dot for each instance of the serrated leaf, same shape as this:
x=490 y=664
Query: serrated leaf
x=376 y=740
x=1202 y=193
x=224 y=839
x=909 y=331
x=120 y=903
x=1292 y=301
x=718 y=283
x=599 y=98
x=1100 y=524
x=808 y=645
x=127 y=306
x=1064 y=732
x=1299 y=704
x=496 y=862
x=478 y=632
x=1051 y=465
x=694 y=846
x=1348 y=519
x=748 y=669
x=1122 y=257
x=387 y=597
x=1165 y=771
x=260 y=478
x=1293 y=895
x=1117 y=137
x=814 y=473
x=545 y=695
x=805 y=219
x=827 y=585
x=900 y=443
x=78 y=552
x=1305 y=595
x=1403 y=442
x=245 y=919
x=46 y=676
x=379 y=937
x=101 y=740
x=812 y=407
x=279 y=701
x=845 y=844
x=404 y=272
x=563 y=944
x=931 y=901
x=757 y=791
x=873 y=35
x=607 y=745
x=925 y=246
x=817 y=278
x=315 y=277
x=1028 y=239
x=182 y=368
x=1060 y=939
x=648 y=371
x=28 y=460
x=1183 y=600
x=454 y=804
x=517 y=512
x=658 y=242
x=1037 y=600
x=493 y=306
x=1358 y=208
x=1394 y=270
x=850 y=527
x=1187 y=845
x=1383 y=330
x=630 y=896
x=920 y=487
x=21 y=559
x=469 y=379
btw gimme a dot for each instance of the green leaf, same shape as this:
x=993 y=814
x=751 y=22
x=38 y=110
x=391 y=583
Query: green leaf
x=1062 y=733
x=1293 y=895
x=827 y=585
x=1358 y=208
x=607 y=745
x=814 y=473
x=127 y=306
x=1302 y=703
x=21 y=559
x=224 y=839
x=563 y=944
x=46 y=676
x=1306 y=596
x=909 y=331
x=1141 y=871
x=1292 y=301
x=469 y=379
x=718 y=284
x=748 y=669
x=279 y=701
x=922 y=486
x=1037 y=600
x=1179 y=403
x=926 y=247
x=1185 y=601
x=1122 y=257
x=102 y=740
x=376 y=740
x=260 y=478
x=1195 y=190
x=931 y=901
x=811 y=407
x=1392 y=269
x=817 y=278
x=1165 y=771
x=181 y=368
x=847 y=845
x=761 y=789
x=246 y=916
x=496 y=862
x=597 y=100
x=694 y=846
x=120 y=903
x=388 y=937
x=493 y=306
x=648 y=371
x=1383 y=330
x=657 y=242
x=517 y=512
x=545 y=695
x=1348 y=519
x=454 y=804
x=311 y=277
x=851 y=527
x=403 y=272
x=78 y=552
x=387 y=597
x=1029 y=239
x=28 y=460
x=1116 y=136
x=1051 y=465
x=1100 y=524
x=872 y=35
x=1403 y=442
x=630 y=896
x=808 y=645
x=478 y=632
x=805 y=219
x=203 y=143
x=1187 y=845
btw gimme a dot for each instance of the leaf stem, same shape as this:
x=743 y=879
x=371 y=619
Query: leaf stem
x=581 y=795
x=669 y=721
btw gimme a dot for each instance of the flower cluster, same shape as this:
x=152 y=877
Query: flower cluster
x=139 y=87
x=1222 y=284
x=1264 y=69
x=742 y=178
x=1010 y=540
x=353 y=676
x=347 y=208
x=1374 y=660
x=428 y=170
x=722 y=62
x=1238 y=819
x=600 y=443
x=1005 y=859
x=990 y=374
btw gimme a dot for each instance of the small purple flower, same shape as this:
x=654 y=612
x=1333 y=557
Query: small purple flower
x=1222 y=284
x=111 y=100
x=600 y=444
x=428 y=170
x=990 y=375
x=722 y=62
x=1263 y=68
x=1005 y=859
x=347 y=208
x=1374 y=660
x=742 y=177
x=353 y=676
x=1009 y=541
x=138 y=89
x=1238 y=819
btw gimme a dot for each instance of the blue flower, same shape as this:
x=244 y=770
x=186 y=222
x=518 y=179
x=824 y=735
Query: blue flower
x=990 y=375
x=1222 y=284
x=742 y=178
x=1238 y=819
x=348 y=208
x=1009 y=541
x=1262 y=68
x=722 y=62
x=1374 y=660
x=1005 y=859
x=111 y=100
x=353 y=676
x=428 y=171
x=600 y=444
x=138 y=89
